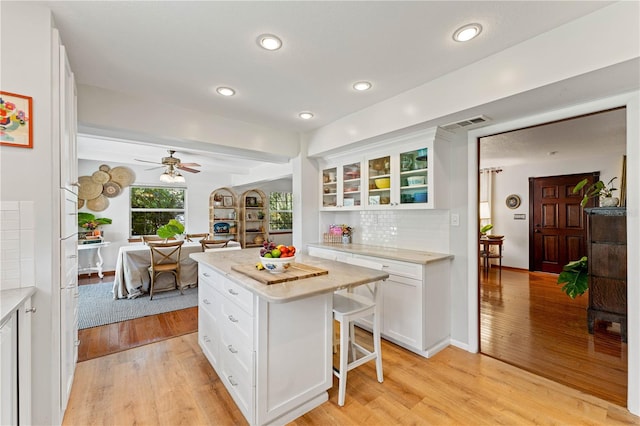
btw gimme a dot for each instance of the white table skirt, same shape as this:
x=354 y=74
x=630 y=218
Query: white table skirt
x=132 y=271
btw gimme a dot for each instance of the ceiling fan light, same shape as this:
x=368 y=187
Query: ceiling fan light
x=178 y=178
x=166 y=177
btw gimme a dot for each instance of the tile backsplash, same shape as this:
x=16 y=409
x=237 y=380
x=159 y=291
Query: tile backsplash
x=17 y=244
x=426 y=230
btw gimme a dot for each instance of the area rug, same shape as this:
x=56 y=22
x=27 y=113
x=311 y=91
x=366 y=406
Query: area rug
x=96 y=305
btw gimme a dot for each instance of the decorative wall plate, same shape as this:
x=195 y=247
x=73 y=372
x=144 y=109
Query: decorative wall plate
x=513 y=201
x=111 y=189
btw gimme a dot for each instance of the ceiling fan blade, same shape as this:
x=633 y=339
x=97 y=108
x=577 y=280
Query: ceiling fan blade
x=147 y=161
x=187 y=169
x=190 y=164
x=154 y=168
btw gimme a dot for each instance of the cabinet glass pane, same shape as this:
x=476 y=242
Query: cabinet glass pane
x=379 y=181
x=414 y=185
x=329 y=187
x=351 y=185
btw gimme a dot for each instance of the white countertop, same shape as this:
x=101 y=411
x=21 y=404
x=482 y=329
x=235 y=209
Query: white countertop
x=341 y=275
x=10 y=300
x=404 y=255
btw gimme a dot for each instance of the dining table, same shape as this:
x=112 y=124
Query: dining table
x=132 y=277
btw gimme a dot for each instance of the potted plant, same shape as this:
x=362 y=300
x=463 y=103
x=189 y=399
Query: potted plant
x=90 y=222
x=600 y=190
x=574 y=277
x=171 y=230
x=485 y=229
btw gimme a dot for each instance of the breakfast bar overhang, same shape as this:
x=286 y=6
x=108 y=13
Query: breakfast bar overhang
x=271 y=345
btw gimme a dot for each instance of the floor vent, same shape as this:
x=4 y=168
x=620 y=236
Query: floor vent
x=466 y=123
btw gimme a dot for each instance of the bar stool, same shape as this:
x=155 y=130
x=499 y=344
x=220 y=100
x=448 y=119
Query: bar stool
x=347 y=308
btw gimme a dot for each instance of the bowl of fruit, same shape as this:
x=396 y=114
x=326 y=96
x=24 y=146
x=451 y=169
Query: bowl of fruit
x=277 y=258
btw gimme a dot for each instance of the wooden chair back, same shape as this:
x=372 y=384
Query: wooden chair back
x=194 y=237
x=209 y=244
x=165 y=257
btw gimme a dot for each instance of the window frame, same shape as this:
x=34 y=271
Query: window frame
x=271 y=211
x=158 y=210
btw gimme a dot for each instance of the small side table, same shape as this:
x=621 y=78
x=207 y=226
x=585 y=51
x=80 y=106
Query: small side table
x=99 y=262
x=485 y=251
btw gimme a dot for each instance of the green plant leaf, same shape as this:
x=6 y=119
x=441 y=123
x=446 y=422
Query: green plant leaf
x=486 y=228
x=574 y=276
x=171 y=229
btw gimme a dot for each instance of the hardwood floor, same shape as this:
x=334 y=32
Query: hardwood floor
x=111 y=338
x=528 y=322
x=171 y=382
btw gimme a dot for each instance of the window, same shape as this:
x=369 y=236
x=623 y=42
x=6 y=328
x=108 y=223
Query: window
x=152 y=207
x=280 y=211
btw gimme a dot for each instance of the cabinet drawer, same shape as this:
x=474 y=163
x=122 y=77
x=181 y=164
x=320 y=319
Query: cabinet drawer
x=237 y=351
x=208 y=335
x=395 y=267
x=207 y=297
x=239 y=295
x=236 y=321
x=207 y=275
x=239 y=386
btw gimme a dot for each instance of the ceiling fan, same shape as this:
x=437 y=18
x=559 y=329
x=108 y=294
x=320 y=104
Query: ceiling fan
x=172 y=163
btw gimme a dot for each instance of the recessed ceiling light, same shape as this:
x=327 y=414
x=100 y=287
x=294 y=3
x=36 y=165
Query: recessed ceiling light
x=305 y=115
x=226 y=91
x=269 y=42
x=362 y=85
x=467 y=32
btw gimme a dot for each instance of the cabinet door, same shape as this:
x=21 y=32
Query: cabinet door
x=379 y=182
x=414 y=178
x=330 y=189
x=402 y=310
x=351 y=185
x=68 y=342
x=68 y=125
x=9 y=371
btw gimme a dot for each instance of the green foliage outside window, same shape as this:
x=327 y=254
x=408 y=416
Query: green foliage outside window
x=280 y=211
x=153 y=207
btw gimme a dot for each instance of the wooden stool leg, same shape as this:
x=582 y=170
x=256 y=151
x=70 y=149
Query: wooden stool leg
x=344 y=352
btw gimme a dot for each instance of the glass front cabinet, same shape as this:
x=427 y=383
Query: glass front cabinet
x=341 y=186
x=407 y=173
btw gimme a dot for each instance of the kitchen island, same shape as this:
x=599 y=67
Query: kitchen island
x=271 y=345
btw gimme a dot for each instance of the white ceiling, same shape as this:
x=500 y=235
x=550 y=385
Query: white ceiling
x=180 y=51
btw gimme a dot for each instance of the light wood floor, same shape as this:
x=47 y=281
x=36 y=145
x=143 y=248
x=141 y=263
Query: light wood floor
x=171 y=383
x=527 y=321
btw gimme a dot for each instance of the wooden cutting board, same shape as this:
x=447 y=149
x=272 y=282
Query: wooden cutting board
x=296 y=271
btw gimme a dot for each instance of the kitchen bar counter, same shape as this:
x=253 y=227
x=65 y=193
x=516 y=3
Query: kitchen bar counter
x=340 y=275
x=403 y=255
x=10 y=300
x=271 y=345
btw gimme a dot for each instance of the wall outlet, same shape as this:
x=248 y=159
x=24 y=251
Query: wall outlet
x=455 y=219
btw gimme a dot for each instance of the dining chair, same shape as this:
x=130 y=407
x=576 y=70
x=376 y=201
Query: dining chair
x=193 y=237
x=349 y=307
x=165 y=258
x=151 y=238
x=209 y=244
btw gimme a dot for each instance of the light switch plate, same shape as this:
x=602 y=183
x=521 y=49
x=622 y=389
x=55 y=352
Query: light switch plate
x=455 y=219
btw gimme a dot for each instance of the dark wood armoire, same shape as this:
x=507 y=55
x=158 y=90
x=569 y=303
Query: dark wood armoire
x=607 y=252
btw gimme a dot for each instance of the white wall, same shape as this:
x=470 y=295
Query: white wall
x=32 y=175
x=515 y=180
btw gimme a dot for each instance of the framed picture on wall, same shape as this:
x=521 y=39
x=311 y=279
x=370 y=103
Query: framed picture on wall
x=16 y=120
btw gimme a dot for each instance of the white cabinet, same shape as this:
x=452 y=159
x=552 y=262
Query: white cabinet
x=415 y=302
x=275 y=369
x=15 y=357
x=9 y=370
x=407 y=172
x=342 y=186
x=65 y=128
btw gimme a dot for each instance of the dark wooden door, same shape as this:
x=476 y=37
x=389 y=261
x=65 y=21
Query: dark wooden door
x=557 y=229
